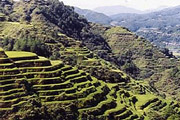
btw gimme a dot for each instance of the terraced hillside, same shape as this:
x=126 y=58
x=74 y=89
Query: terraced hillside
x=81 y=57
x=25 y=76
x=38 y=26
x=71 y=51
x=34 y=87
x=142 y=59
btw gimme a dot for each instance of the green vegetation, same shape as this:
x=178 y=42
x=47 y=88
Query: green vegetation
x=44 y=90
x=151 y=27
x=143 y=60
x=91 y=81
x=15 y=54
x=115 y=30
x=26 y=44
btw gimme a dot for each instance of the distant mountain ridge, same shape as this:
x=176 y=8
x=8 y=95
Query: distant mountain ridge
x=118 y=9
x=161 y=27
x=112 y=10
x=93 y=16
x=107 y=14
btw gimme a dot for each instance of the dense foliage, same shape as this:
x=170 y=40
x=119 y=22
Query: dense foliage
x=33 y=110
x=52 y=29
x=21 y=44
x=6 y=6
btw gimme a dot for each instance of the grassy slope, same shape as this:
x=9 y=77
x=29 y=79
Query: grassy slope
x=15 y=54
x=119 y=43
x=96 y=98
x=147 y=57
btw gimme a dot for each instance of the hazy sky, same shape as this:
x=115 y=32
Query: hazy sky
x=138 y=4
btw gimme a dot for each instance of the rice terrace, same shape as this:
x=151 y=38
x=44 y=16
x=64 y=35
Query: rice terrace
x=57 y=64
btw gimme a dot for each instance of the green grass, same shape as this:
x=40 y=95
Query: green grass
x=14 y=95
x=143 y=99
x=119 y=106
x=114 y=30
x=56 y=62
x=108 y=100
x=11 y=91
x=1 y=49
x=57 y=83
x=19 y=54
x=10 y=29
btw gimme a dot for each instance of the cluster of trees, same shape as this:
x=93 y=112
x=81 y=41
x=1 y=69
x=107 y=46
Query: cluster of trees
x=71 y=23
x=167 y=52
x=6 y=6
x=168 y=114
x=32 y=45
x=125 y=60
x=107 y=75
x=64 y=17
x=34 y=110
x=58 y=17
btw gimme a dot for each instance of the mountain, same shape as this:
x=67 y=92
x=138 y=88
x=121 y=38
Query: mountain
x=141 y=59
x=112 y=10
x=80 y=70
x=158 y=27
x=94 y=17
x=47 y=89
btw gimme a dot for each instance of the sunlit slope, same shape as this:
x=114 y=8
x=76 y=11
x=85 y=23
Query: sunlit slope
x=143 y=60
x=52 y=29
x=25 y=75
